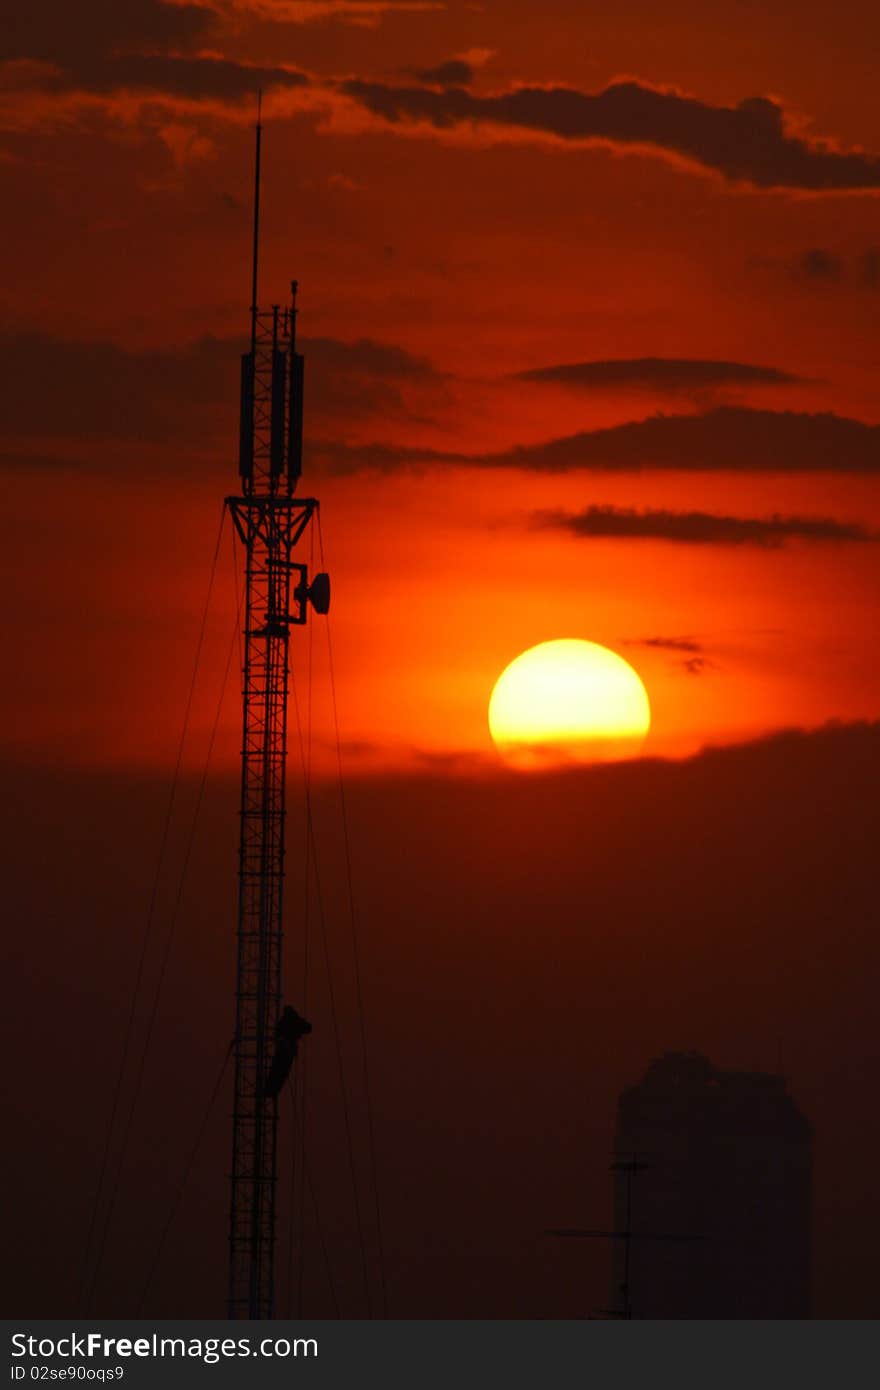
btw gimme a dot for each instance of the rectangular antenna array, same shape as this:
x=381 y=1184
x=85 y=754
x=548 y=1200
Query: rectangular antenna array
x=271 y=419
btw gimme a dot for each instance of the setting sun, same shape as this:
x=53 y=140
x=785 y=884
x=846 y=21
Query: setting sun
x=568 y=701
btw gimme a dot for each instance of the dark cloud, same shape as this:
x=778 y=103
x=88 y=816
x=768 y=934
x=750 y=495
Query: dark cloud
x=819 y=264
x=725 y=439
x=341 y=459
x=71 y=34
x=696 y=665
x=368 y=357
x=667 y=644
x=728 y=438
x=698 y=528
x=455 y=73
x=104 y=47
x=744 y=143
x=821 y=268
x=51 y=387
x=361 y=379
x=659 y=373
x=691 y=652
x=55 y=388
x=218 y=78
x=201 y=78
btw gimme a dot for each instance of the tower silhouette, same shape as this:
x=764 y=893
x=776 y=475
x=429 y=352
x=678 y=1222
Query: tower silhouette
x=270 y=519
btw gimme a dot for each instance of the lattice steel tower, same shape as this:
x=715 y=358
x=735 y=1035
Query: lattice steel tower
x=270 y=520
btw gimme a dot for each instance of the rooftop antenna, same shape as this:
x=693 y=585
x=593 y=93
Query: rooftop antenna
x=270 y=520
x=629 y=1168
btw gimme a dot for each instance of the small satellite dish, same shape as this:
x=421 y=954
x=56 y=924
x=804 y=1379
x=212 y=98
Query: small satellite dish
x=319 y=593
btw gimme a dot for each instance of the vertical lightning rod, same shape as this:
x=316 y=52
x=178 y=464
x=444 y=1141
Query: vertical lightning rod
x=256 y=257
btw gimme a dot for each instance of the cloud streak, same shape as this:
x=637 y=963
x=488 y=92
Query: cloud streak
x=178 y=49
x=667 y=644
x=750 y=143
x=822 y=268
x=725 y=439
x=57 y=31
x=142 y=45
x=217 y=79
x=103 y=391
x=731 y=439
x=367 y=14
x=454 y=73
x=696 y=528
x=691 y=654
x=670 y=374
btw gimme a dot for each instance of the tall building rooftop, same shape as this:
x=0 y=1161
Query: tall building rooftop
x=686 y=1089
x=713 y=1185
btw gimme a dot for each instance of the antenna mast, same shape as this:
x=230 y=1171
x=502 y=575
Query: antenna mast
x=270 y=520
x=256 y=260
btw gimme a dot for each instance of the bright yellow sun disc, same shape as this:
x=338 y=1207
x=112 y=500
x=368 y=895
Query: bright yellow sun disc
x=568 y=701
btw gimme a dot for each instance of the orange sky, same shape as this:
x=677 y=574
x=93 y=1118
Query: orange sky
x=440 y=254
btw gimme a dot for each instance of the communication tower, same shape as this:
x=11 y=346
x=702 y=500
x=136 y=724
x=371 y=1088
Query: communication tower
x=270 y=520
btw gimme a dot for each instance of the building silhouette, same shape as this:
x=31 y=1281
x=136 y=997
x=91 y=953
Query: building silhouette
x=712 y=1190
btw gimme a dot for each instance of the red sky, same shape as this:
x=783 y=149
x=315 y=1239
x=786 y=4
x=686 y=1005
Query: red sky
x=575 y=189
x=589 y=300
